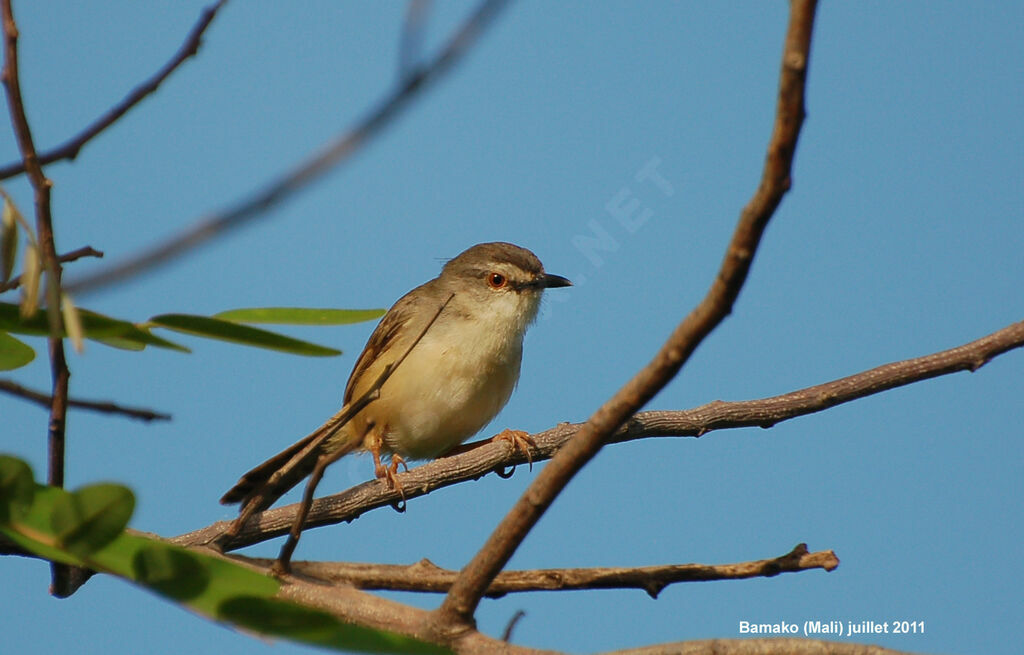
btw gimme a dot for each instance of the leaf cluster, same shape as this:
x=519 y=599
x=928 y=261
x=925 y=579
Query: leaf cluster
x=87 y=528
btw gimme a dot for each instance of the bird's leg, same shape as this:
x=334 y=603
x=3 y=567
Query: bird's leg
x=373 y=443
x=385 y=474
x=392 y=471
x=520 y=440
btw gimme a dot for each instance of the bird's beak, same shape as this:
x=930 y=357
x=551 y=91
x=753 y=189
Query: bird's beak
x=552 y=281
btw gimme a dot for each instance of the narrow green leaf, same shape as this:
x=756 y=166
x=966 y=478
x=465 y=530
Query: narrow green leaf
x=287 y=619
x=120 y=344
x=139 y=336
x=17 y=487
x=299 y=315
x=13 y=353
x=95 y=326
x=212 y=328
x=91 y=517
x=8 y=240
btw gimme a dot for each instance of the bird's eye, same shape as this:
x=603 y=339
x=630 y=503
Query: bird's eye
x=496 y=280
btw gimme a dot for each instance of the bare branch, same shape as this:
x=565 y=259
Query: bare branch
x=456 y=612
x=71 y=148
x=475 y=460
x=334 y=153
x=425 y=576
x=86 y=251
x=44 y=235
x=506 y=635
x=105 y=407
x=344 y=601
x=411 y=40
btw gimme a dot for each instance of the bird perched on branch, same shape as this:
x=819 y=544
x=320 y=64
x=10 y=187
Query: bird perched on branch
x=440 y=365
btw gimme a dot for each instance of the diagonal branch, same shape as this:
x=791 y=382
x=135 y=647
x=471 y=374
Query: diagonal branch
x=425 y=576
x=475 y=460
x=71 y=148
x=456 y=612
x=339 y=150
x=105 y=407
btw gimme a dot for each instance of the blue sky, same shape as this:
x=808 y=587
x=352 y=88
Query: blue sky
x=902 y=236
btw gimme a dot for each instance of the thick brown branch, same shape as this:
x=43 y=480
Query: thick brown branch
x=105 y=407
x=334 y=153
x=475 y=460
x=356 y=606
x=425 y=576
x=456 y=612
x=86 y=251
x=71 y=148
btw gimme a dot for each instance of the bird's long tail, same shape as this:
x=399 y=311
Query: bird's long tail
x=273 y=478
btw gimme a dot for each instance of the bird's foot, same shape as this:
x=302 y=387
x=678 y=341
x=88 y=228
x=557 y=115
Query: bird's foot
x=521 y=441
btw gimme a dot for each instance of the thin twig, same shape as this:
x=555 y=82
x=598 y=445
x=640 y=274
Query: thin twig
x=506 y=635
x=71 y=148
x=424 y=576
x=105 y=407
x=44 y=234
x=411 y=40
x=475 y=460
x=86 y=251
x=457 y=609
x=338 y=150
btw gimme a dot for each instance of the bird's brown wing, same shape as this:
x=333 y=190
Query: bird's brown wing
x=381 y=340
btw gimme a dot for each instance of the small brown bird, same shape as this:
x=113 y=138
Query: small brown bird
x=452 y=382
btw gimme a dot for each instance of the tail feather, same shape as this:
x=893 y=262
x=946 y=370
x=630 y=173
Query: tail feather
x=258 y=477
x=276 y=476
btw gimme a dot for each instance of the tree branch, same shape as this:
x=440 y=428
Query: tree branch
x=106 y=407
x=71 y=148
x=475 y=460
x=353 y=605
x=456 y=612
x=337 y=151
x=425 y=576
x=86 y=251
x=44 y=234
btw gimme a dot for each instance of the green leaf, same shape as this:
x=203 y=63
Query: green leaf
x=299 y=315
x=119 y=343
x=16 y=488
x=94 y=325
x=171 y=571
x=291 y=620
x=85 y=528
x=88 y=519
x=13 y=353
x=212 y=328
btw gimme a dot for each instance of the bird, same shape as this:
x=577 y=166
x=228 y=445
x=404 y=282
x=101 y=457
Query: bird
x=452 y=348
